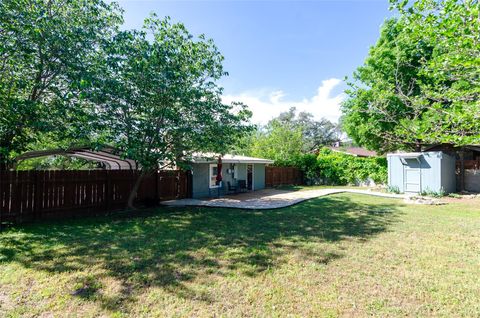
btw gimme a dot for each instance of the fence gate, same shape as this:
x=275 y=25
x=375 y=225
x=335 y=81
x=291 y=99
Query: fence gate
x=173 y=185
x=275 y=176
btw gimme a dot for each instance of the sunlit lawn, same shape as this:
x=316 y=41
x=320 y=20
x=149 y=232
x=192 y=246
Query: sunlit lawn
x=342 y=255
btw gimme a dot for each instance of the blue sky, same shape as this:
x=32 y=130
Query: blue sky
x=279 y=53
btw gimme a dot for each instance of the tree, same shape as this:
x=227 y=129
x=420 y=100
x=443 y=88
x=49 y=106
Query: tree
x=278 y=141
x=420 y=83
x=288 y=136
x=48 y=51
x=317 y=133
x=159 y=102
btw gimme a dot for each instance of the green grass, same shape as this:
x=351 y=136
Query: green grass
x=342 y=255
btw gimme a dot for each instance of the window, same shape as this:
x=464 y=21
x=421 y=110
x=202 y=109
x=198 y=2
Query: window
x=213 y=175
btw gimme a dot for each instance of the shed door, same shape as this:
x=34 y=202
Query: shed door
x=412 y=180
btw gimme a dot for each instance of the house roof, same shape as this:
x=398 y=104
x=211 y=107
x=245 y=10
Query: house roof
x=355 y=151
x=227 y=158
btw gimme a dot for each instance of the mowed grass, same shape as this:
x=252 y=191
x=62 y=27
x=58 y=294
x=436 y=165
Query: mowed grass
x=342 y=255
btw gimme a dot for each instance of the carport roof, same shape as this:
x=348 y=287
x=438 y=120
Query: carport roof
x=106 y=155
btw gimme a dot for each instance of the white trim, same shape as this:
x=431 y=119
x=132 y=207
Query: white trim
x=210 y=175
x=227 y=158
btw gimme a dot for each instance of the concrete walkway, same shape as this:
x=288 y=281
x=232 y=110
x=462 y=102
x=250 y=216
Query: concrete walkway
x=270 y=198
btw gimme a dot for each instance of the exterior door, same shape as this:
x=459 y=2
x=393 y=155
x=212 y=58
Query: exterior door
x=249 y=176
x=412 y=180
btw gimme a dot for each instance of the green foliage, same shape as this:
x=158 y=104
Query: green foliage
x=315 y=133
x=341 y=169
x=420 y=83
x=454 y=195
x=288 y=137
x=56 y=163
x=431 y=193
x=309 y=165
x=49 y=51
x=393 y=189
x=278 y=142
x=70 y=76
x=158 y=100
x=336 y=168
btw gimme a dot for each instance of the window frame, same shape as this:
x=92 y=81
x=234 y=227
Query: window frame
x=211 y=175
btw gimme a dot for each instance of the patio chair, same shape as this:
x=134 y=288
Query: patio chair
x=231 y=189
x=242 y=185
x=216 y=191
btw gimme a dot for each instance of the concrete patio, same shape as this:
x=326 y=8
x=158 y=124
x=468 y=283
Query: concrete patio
x=270 y=198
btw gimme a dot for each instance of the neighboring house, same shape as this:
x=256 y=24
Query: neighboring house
x=354 y=151
x=235 y=170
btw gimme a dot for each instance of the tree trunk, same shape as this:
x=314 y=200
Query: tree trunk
x=418 y=146
x=133 y=193
x=3 y=162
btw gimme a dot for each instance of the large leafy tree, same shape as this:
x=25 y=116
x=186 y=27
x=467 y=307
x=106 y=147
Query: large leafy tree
x=158 y=101
x=420 y=83
x=49 y=51
x=279 y=141
x=288 y=136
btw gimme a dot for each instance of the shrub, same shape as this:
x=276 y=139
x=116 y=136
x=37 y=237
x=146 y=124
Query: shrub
x=336 y=168
x=341 y=169
x=430 y=193
x=393 y=189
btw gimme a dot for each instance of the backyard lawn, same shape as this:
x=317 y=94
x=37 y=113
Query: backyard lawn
x=341 y=255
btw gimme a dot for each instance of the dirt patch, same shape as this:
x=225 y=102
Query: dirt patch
x=468 y=199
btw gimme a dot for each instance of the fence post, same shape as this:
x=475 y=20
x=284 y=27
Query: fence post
x=108 y=191
x=36 y=195
x=157 y=183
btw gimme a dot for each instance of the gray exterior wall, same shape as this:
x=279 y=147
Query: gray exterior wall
x=242 y=171
x=433 y=172
x=258 y=176
x=200 y=178
x=472 y=180
x=448 y=178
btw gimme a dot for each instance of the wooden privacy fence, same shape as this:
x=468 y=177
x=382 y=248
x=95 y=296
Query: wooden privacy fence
x=275 y=176
x=35 y=195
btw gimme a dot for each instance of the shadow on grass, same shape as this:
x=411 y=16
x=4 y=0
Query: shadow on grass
x=168 y=247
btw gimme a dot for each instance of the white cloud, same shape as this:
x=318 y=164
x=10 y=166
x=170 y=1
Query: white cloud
x=268 y=104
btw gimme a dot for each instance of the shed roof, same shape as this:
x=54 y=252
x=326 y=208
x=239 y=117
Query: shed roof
x=406 y=155
x=227 y=158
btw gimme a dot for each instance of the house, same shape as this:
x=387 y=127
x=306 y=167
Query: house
x=236 y=171
x=243 y=172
